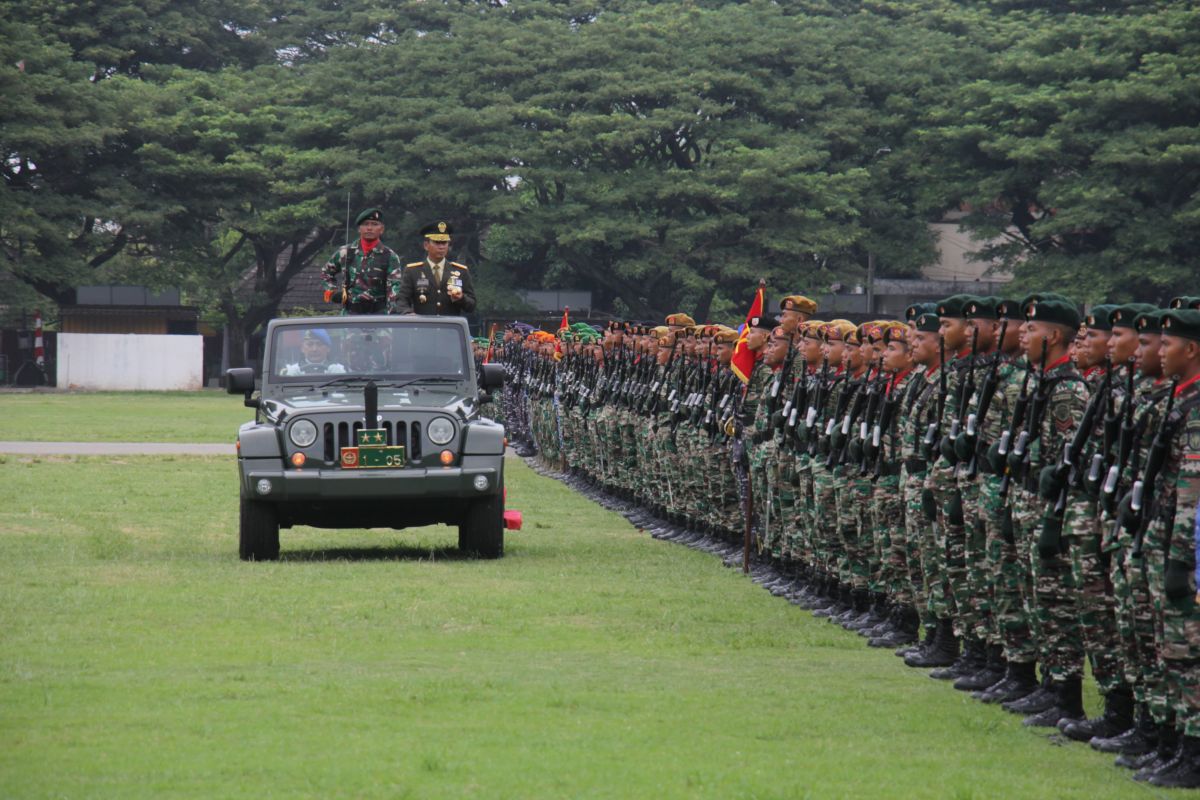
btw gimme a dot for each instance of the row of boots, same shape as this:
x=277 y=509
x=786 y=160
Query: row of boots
x=1157 y=753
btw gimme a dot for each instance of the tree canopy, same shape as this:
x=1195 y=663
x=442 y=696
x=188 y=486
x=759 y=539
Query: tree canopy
x=660 y=155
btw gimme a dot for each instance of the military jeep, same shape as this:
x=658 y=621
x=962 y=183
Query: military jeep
x=369 y=422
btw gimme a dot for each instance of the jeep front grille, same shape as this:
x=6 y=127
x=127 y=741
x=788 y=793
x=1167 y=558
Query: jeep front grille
x=343 y=434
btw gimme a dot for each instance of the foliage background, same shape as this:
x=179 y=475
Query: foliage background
x=660 y=155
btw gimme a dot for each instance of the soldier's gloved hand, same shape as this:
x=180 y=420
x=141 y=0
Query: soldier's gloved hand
x=929 y=505
x=996 y=461
x=856 y=451
x=801 y=432
x=964 y=447
x=1180 y=581
x=1092 y=487
x=946 y=448
x=1050 y=482
x=1128 y=519
x=1007 y=529
x=870 y=451
x=1050 y=536
x=328 y=295
x=1015 y=462
x=777 y=420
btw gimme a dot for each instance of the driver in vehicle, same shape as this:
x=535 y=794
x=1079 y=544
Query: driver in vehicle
x=316 y=346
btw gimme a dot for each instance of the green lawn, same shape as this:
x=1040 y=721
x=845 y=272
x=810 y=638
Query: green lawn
x=140 y=658
x=207 y=416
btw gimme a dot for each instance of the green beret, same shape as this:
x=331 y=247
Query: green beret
x=1054 y=311
x=1038 y=297
x=1010 y=309
x=1124 y=316
x=953 y=306
x=1149 y=322
x=980 y=308
x=1183 y=322
x=368 y=215
x=1185 y=301
x=917 y=309
x=928 y=322
x=1098 y=318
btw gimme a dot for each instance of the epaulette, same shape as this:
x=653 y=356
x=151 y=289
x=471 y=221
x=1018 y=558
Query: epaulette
x=414 y=264
x=460 y=266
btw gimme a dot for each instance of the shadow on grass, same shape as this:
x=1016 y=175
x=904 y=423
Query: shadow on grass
x=388 y=553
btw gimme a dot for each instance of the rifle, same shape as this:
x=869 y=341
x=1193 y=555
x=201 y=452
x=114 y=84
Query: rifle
x=967 y=390
x=836 y=457
x=976 y=420
x=933 y=433
x=875 y=396
x=791 y=408
x=1141 y=495
x=1041 y=396
x=1016 y=424
x=656 y=388
x=1124 y=445
x=1068 y=466
x=813 y=414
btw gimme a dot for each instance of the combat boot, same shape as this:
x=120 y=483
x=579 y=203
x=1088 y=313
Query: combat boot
x=1068 y=705
x=889 y=623
x=838 y=603
x=1139 y=739
x=1116 y=719
x=970 y=660
x=1035 y=702
x=860 y=609
x=877 y=614
x=1168 y=746
x=1020 y=680
x=853 y=608
x=908 y=623
x=988 y=674
x=1182 y=772
x=942 y=654
x=922 y=646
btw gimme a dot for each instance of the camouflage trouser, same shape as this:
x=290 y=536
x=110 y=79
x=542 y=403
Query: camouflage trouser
x=1181 y=661
x=853 y=515
x=609 y=446
x=976 y=606
x=1060 y=642
x=785 y=494
x=1026 y=511
x=801 y=522
x=630 y=471
x=693 y=444
x=761 y=466
x=918 y=534
x=1162 y=698
x=935 y=547
x=1008 y=580
x=1096 y=602
x=887 y=504
x=824 y=518
x=951 y=545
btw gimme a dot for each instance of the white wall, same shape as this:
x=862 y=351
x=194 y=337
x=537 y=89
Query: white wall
x=119 y=361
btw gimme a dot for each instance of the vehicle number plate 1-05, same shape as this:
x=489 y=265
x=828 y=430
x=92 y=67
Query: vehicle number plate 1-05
x=372 y=457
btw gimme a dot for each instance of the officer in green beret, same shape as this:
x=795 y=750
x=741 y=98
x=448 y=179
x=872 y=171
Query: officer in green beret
x=434 y=285
x=356 y=274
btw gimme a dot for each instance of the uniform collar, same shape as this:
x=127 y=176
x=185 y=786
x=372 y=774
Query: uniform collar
x=366 y=246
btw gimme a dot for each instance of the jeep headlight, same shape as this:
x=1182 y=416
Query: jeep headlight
x=303 y=433
x=440 y=431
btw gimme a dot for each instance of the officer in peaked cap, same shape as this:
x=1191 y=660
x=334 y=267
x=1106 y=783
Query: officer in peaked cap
x=434 y=285
x=356 y=276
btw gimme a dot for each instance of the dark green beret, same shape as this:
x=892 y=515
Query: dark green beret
x=1054 y=311
x=980 y=308
x=1124 y=316
x=1038 y=297
x=1098 y=318
x=953 y=306
x=370 y=214
x=1185 y=301
x=1010 y=309
x=917 y=309
x=929 y=322
x=1149 y=322
x=1184 y=322
x=767 y=322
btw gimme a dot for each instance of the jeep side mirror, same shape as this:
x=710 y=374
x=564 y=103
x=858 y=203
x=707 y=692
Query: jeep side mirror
x=240 y=380
x=492 y=376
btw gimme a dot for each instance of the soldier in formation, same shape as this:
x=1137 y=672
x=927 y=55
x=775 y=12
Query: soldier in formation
x=1003 y=490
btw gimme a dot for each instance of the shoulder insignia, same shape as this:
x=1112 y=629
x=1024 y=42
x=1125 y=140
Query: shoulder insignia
x=456 y=264
x=415 y=264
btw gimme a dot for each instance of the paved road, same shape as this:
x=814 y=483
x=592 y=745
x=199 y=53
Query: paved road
x=116 y=449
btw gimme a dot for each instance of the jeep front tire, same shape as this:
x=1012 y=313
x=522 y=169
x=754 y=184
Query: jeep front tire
x=258 y=533
x=482 y=530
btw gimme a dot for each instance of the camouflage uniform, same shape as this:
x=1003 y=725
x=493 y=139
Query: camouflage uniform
x=364 y=277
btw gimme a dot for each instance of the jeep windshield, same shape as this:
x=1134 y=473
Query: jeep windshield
x=393 y=352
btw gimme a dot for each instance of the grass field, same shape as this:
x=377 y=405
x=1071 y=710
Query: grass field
x=140 y=658
x=209 y=416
